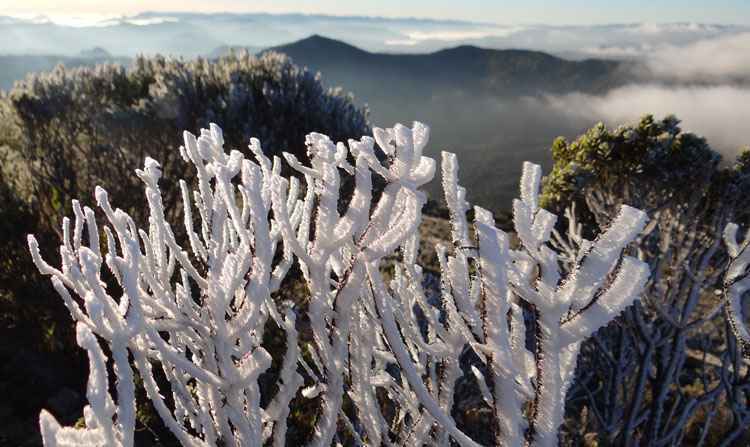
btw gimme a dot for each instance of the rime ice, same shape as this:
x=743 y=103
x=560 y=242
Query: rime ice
x=199 y=311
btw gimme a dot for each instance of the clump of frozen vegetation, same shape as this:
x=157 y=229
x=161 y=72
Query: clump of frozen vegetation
x=382 y=355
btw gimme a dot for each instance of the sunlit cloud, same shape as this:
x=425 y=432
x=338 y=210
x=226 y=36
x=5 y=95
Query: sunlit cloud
x=718 y=112
x=452 y=36
x=85 y=20
x=69 y=20
x=145 y=21
x=724 y=59
x=671 y=28
x=402 y=42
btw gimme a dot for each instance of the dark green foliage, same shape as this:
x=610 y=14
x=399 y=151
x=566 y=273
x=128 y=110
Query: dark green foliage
x=642 y=154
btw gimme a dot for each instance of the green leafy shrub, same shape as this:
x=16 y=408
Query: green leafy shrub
x=629 y=159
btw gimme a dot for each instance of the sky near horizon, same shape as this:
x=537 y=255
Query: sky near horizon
x=555 y=12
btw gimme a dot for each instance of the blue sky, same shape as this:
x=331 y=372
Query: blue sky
x=503 y=11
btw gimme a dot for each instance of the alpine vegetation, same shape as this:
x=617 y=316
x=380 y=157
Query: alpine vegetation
x=670 y=372
x=371 y=344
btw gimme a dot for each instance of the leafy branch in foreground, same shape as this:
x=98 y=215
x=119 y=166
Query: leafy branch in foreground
x=380 y=352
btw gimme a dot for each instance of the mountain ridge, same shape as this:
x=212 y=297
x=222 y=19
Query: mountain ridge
x=502 y=72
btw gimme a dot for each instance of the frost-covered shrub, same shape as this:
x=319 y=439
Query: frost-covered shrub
x=381 y=353
x=67 y=131
x=663 y=373
x=77 y=128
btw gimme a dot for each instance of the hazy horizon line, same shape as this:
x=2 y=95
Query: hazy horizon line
x=29 y=17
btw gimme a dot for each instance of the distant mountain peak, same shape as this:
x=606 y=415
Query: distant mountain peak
x=319 y=37
x=316 y=41
x=95 y=53
x=464 y=49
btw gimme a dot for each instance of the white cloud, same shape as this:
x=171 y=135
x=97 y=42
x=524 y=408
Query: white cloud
x=66 y=20
x=720 y=59
x=672 y=28
x=448 y=35
x=616 y=52
x=719 y=113
x=653 y=42
x=462 y=34
x=146 y=21
x=402 y=42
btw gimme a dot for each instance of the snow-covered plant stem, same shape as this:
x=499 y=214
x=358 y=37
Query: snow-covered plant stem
x=565 y=310
x=678 y=320
x=736 y=283
x=377 y=336
x=199 y=316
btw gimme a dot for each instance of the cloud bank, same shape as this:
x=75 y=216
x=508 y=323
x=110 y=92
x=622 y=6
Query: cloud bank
x=723 y=59
x=701 y=74
x=720 y=113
